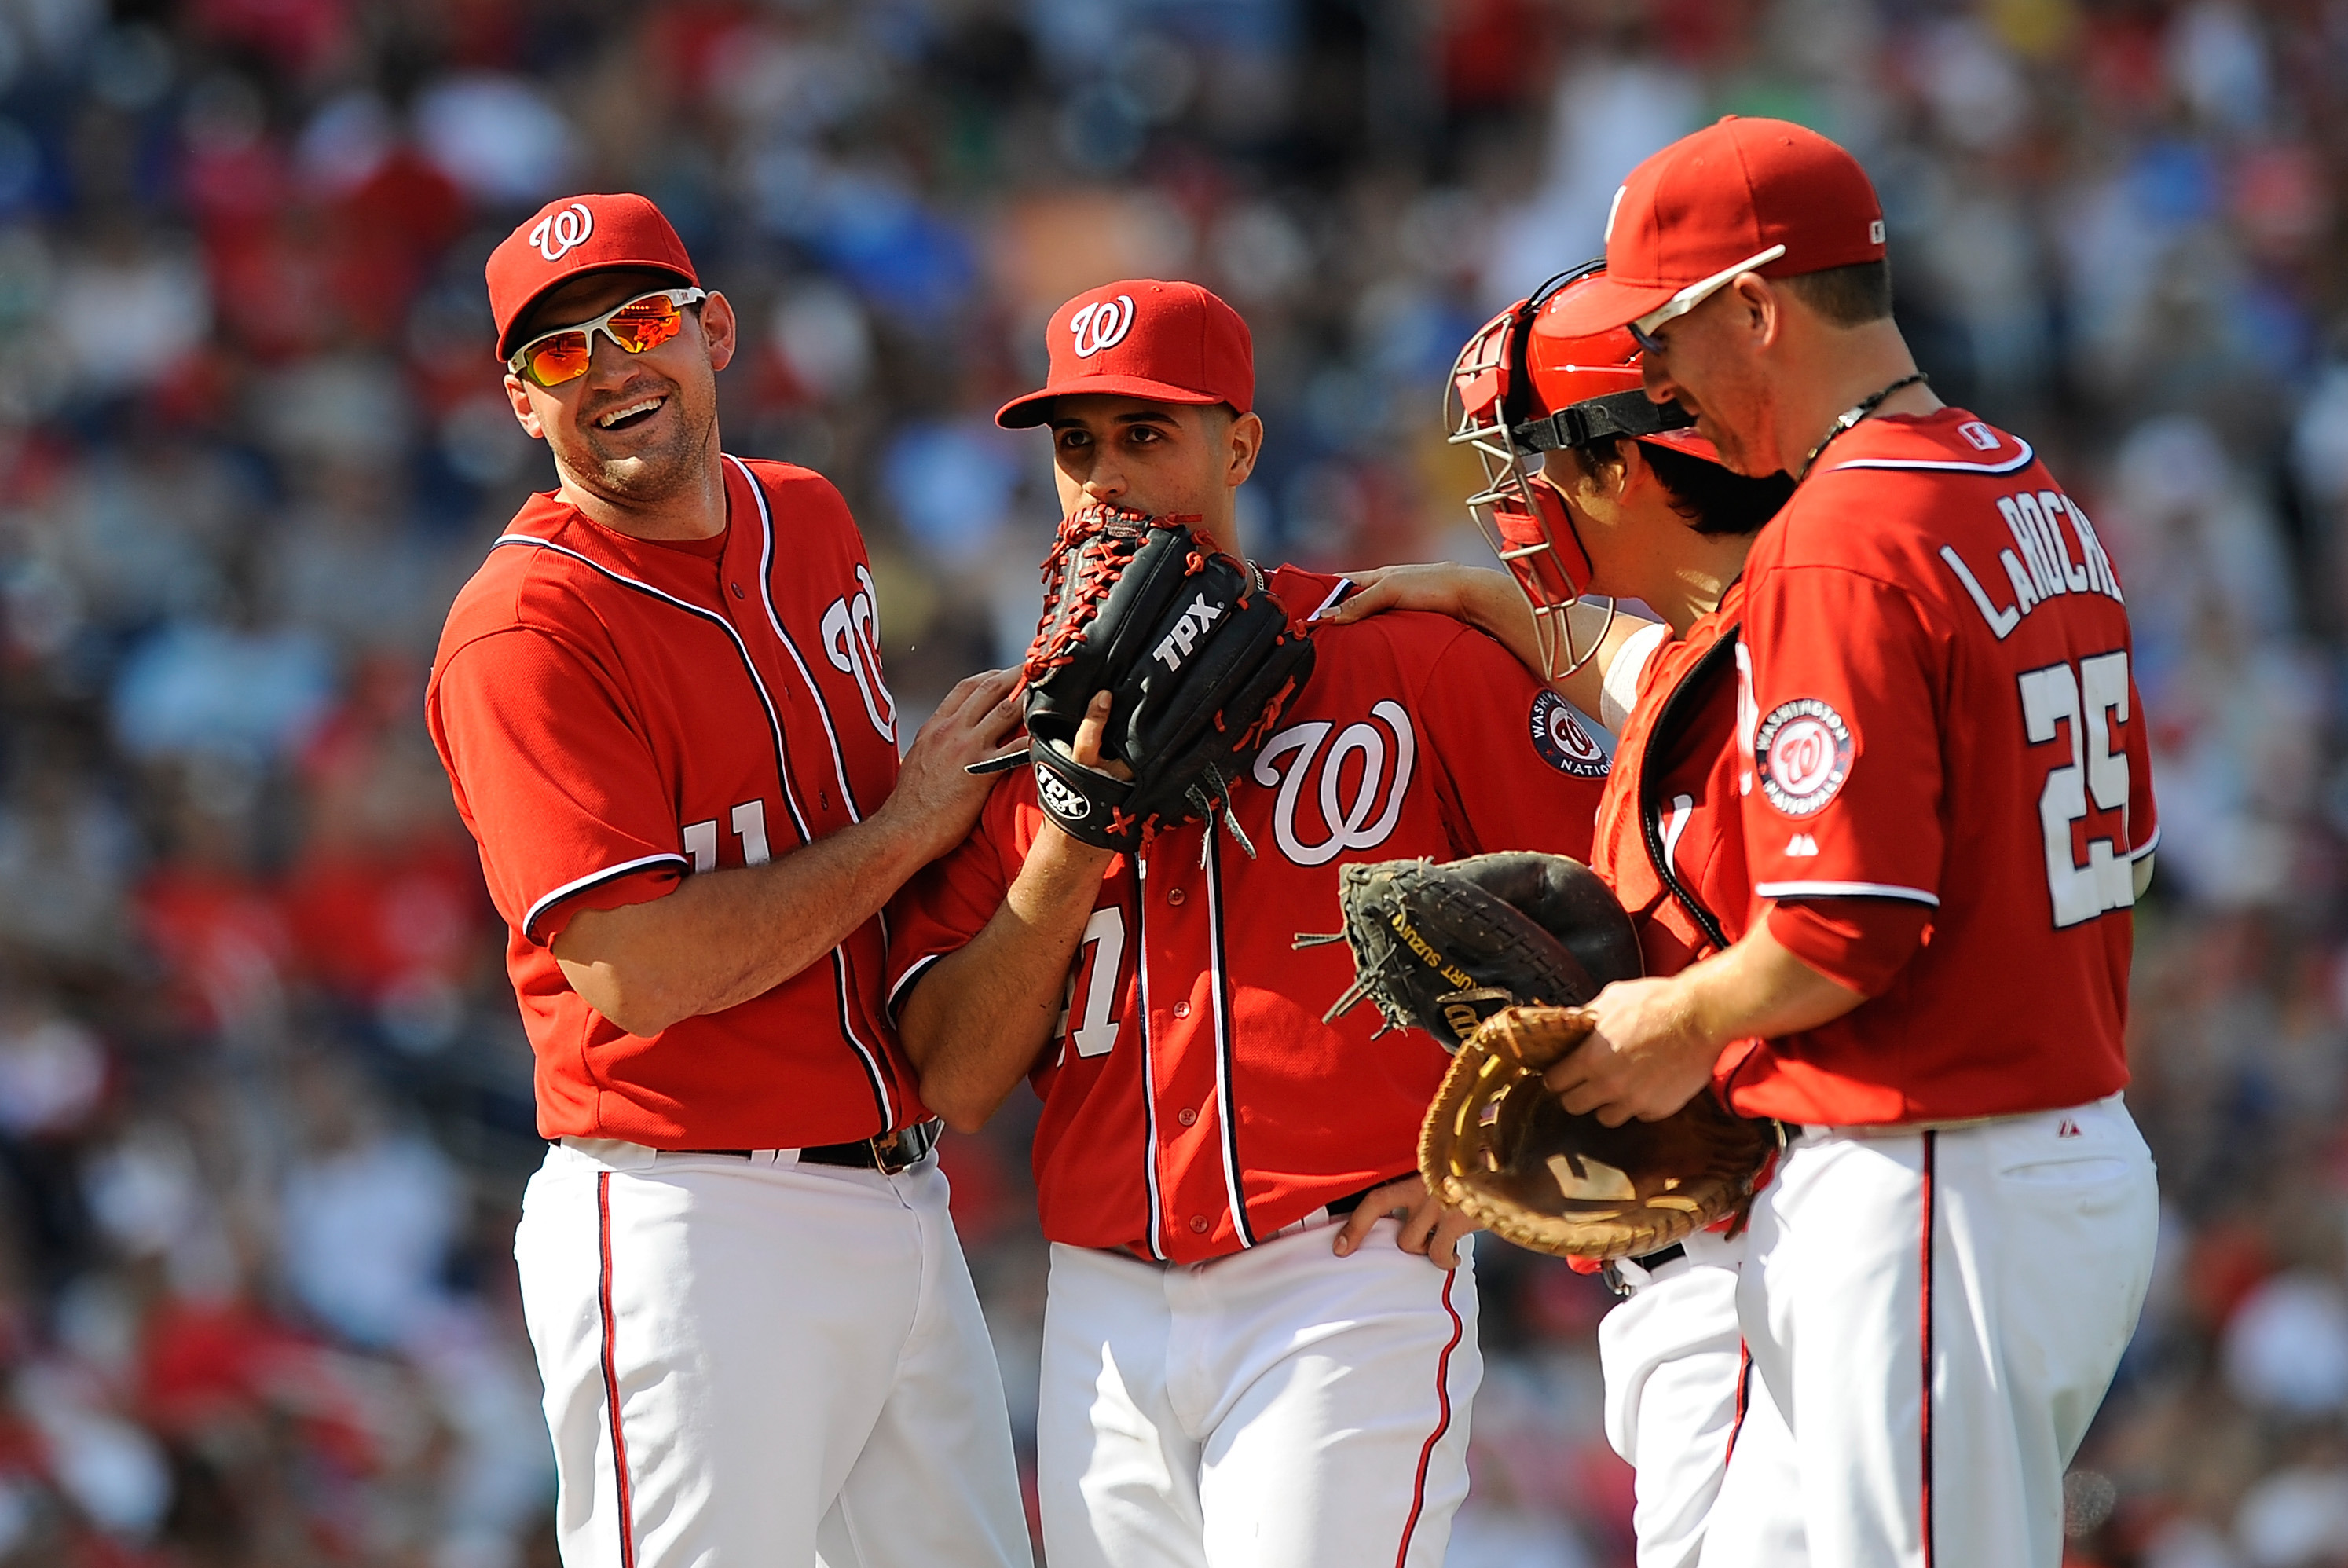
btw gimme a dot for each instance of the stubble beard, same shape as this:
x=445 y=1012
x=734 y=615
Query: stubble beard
x=648 y=475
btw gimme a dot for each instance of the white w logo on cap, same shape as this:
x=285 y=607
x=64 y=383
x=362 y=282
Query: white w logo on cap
x=1101 y=324
x=558 y=232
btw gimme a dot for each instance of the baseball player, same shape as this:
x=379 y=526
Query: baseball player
x=1230 y=1374
x=1946 y=802
x=660 y=704
x=1636 y=506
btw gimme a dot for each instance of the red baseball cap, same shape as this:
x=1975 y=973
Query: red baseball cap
x=1762 y=196
x=1139 y=337
x=575 y=234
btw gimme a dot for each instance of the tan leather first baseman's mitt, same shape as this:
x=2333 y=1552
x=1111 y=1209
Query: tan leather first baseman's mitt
x=1500 y=1148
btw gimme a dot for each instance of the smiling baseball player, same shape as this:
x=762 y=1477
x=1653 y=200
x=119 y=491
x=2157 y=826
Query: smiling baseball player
x=1229 y=1376
x=660 y=704
x=1948 y=811
x=1633 y=504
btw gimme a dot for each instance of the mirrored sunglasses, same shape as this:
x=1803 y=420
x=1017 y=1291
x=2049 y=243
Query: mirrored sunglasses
x=643 y=322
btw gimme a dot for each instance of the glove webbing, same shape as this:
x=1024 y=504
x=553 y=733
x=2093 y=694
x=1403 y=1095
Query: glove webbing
x=1101 y=568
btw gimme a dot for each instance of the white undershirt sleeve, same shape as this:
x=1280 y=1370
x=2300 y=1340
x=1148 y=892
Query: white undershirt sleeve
x=1619 y=693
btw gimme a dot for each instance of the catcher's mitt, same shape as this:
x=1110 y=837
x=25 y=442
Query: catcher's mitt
x=1200 y=658
x=1491 y=956
x=1443 y=948
x=1500 y=1148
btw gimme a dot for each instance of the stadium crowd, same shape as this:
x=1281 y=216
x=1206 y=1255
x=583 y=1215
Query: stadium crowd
x=264 y=1101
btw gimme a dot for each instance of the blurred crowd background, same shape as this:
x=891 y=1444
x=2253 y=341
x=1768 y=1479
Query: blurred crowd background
x=264 y=1103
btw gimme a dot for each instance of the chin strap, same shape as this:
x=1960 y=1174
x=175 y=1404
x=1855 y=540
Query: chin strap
x=1854 y=413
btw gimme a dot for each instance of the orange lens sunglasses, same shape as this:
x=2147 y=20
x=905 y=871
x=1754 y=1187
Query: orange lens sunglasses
x=643 y=322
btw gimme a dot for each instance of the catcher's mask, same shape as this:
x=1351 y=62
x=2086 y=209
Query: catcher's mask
x=1517 y=390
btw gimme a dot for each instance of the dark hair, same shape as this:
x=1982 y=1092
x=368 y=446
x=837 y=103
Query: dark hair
x=1712 y=500
x=1846 y=296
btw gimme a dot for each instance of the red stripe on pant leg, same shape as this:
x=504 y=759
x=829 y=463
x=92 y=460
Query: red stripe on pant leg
x=612 y=1368
x=1744 y=1396
x=1931 y=1152
x=1442 y=1424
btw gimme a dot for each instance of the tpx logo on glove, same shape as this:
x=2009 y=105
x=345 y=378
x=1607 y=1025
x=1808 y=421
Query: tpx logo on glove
x=1058 y=798
x=1187 y=632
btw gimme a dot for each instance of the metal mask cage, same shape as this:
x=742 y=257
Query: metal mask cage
x=1495 y=357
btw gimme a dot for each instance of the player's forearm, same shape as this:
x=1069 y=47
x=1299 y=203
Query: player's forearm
x=1492 y=604
x=975 y=1023
x=1759 y=988
x=726 y=937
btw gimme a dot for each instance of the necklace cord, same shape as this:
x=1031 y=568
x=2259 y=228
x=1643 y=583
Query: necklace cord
x=1853 y=414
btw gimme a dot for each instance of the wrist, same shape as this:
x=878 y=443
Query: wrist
x=906 y=837
x=1060 y=856
x=1704 y=1026
x=1490 y=600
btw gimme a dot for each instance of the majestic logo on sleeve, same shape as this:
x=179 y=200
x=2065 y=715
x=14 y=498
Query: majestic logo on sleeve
x=558 y=233
x=1358 y=819
x=1563 y=744
x=1803 y=754
x=1101 y=324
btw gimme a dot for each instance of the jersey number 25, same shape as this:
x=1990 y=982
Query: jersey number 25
x=2058 y=694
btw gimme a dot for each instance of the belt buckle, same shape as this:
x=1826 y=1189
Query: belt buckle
x=886 y=1146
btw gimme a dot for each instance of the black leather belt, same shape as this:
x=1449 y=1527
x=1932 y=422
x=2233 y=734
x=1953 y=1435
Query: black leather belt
x=1649 y=1264
x=889 y=1153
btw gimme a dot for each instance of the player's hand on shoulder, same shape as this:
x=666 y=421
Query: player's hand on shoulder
x=1647 y=1058
x=1444 y=587
x=934 y=789
x=1428 y=1227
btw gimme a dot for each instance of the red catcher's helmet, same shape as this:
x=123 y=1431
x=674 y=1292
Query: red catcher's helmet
x=1520 y=387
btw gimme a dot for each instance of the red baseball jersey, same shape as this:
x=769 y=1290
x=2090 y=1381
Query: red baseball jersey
x=1942 y=710
x=1671 y=840
x=1194 y=1100
x=616 y=713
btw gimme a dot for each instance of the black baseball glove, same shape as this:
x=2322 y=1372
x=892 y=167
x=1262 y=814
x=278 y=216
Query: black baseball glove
x=1200 y=660
x=1443 y=948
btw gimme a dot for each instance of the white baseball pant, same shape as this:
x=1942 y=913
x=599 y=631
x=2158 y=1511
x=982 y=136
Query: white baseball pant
x=1938 y=1314
x=1682 y=1407
x=755 y=1362
x=1283 y=1407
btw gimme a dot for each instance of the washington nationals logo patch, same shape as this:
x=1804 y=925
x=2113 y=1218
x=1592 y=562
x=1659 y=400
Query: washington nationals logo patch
x=1562 y=741
x=1803 y=754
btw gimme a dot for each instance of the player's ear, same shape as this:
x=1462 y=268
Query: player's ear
x=1244 y=444
x=1761 y=307
x=1629 y=469
x=718 y=329
x=517 y=394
